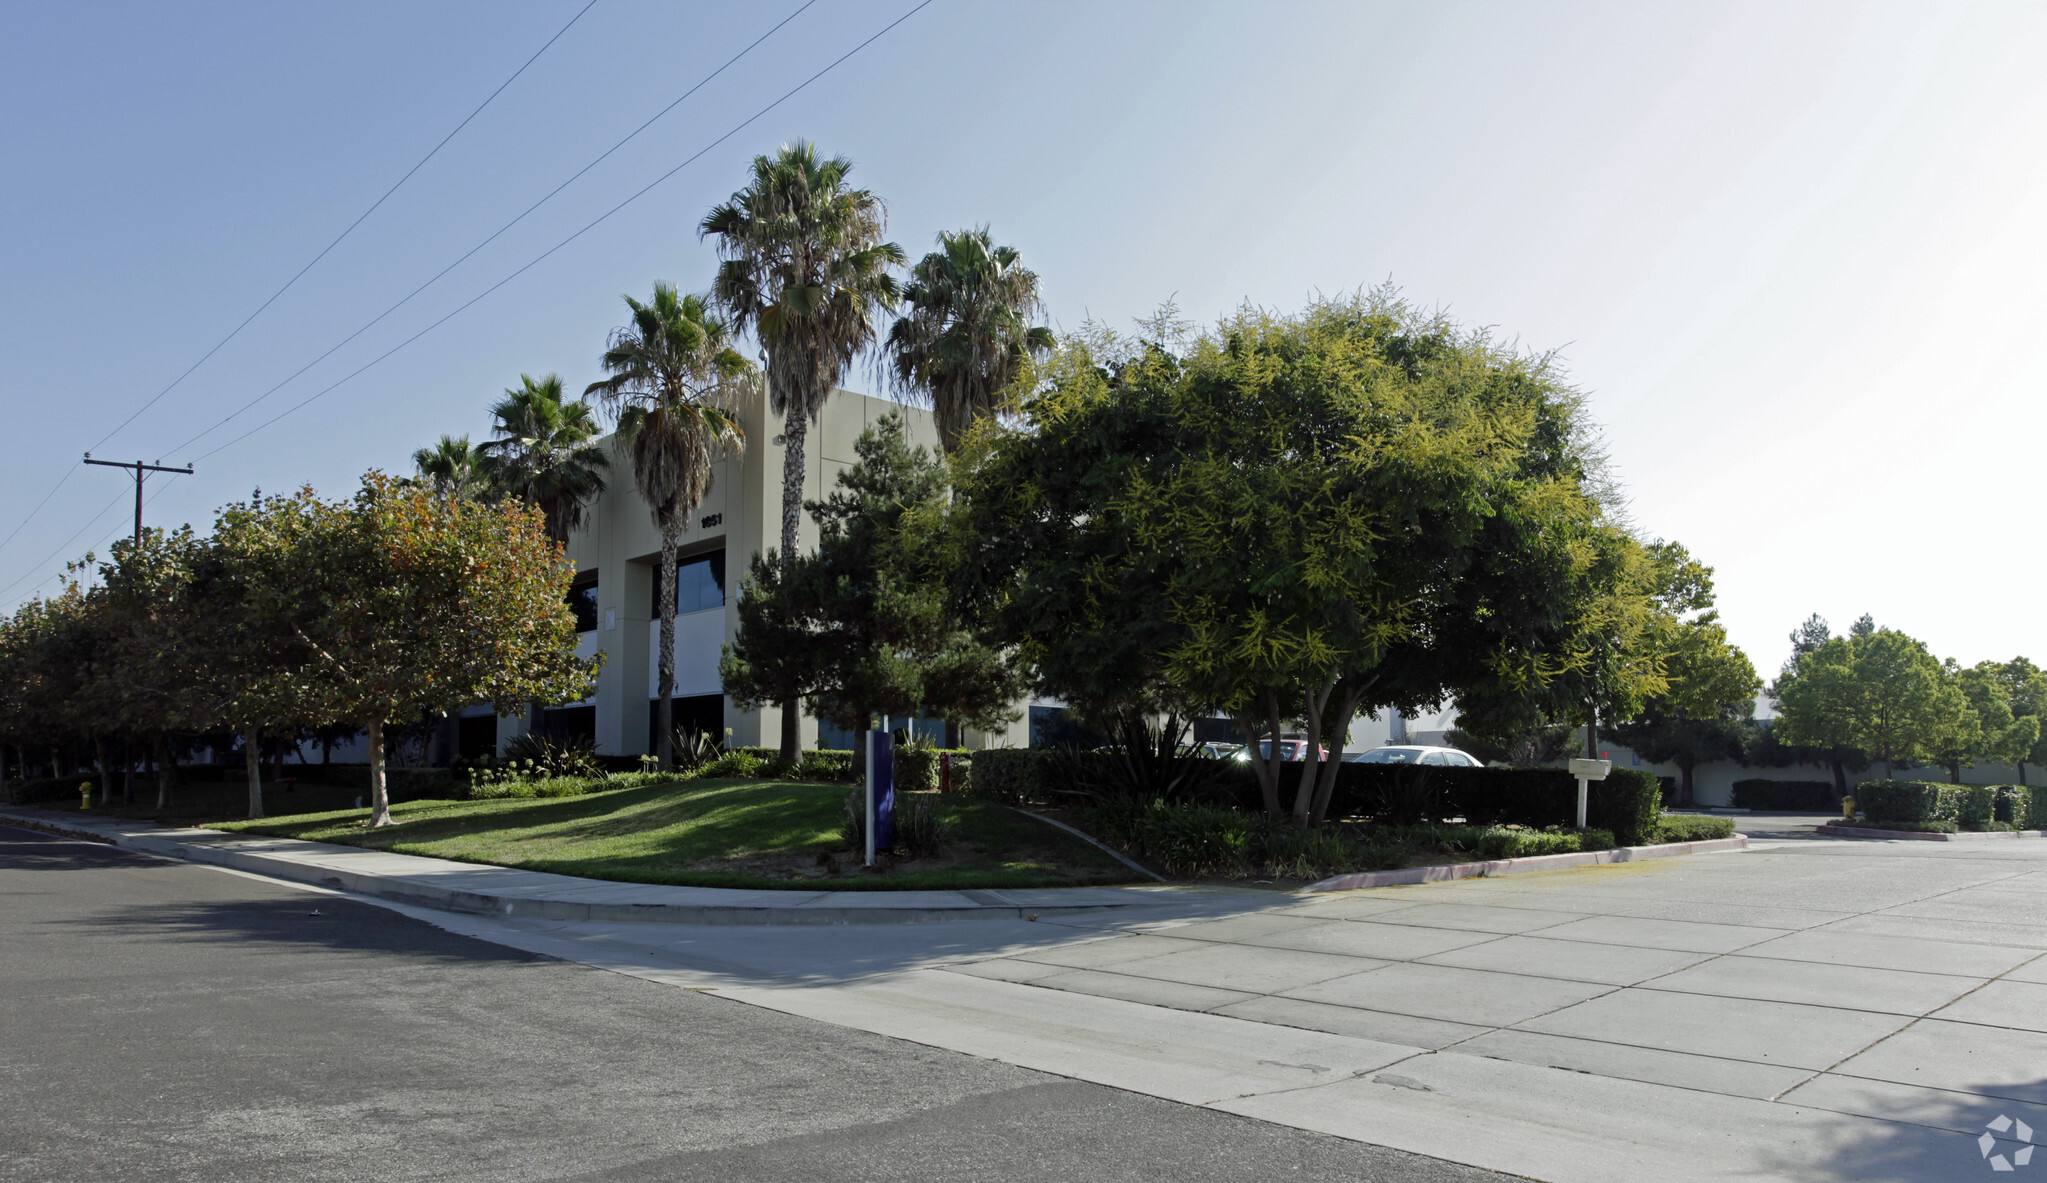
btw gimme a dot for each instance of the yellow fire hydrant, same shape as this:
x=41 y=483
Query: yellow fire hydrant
x=85 y=795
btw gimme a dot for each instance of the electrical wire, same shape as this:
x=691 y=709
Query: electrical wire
x=351 y=228
x=495 y=235
x=649 y=187
x=219 y=345
x=63 y=546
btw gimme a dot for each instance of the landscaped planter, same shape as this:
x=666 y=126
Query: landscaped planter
x=1840 y=831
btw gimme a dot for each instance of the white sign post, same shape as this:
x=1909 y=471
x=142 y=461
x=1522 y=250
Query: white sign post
x=1587 y=771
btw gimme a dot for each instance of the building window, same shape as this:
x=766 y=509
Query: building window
x=583 y=602
x=699 y=583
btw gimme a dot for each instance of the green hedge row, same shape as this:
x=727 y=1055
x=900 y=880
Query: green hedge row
x=1970 y=807
x=1805 y=796
x=1628 y=804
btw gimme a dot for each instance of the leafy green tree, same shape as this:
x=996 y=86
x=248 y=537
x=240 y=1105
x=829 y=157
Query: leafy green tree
x=1294 y=518
x=806 y=271
x=674 y=377
x=1876 y=689
x=544 y=451
x=453 y=468
x=967 y=332
x=1704 y=710
x=413 y=605
x=1986 y=731
x=864 y=624
x=149 y=623
x=2023 y=687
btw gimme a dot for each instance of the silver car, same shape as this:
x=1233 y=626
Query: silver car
x=1416 y=754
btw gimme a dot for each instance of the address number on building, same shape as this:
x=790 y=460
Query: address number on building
x=713 y=519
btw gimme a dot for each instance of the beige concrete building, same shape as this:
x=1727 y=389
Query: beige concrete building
x=617 y=558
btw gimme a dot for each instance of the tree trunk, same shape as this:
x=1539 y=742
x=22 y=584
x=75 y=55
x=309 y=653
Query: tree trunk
x=163 y=771
x=1684 y=784
x=795 y=426
x=55 y=773
x=2022 y=773
x=1268 y=789
x=664 y=719
x=380 y=799
x=253 y=761
x=127 y=772
x=1331 y=766
x=1591 y=733
x=106 y=771
x=791 y=742
x=1840 y=776
x=1954 y=773
x=1304 y=796
x=952 y=735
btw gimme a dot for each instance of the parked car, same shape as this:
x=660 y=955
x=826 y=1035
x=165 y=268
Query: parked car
x=1393 y=753
x=1216 y=750
x=1289 y=749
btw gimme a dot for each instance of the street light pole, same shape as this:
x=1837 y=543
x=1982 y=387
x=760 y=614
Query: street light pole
x=141 y=470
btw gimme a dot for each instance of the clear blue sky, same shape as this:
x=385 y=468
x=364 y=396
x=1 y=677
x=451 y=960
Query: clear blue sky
x=1792 y=252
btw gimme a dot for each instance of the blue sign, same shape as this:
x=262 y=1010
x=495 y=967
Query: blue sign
x=881 y=792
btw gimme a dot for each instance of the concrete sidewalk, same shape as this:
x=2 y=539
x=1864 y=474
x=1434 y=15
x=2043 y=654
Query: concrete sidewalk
x=479 y=889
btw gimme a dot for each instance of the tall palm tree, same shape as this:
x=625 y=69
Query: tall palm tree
x=967 y=331
x=545 y=452
x=805 y=271
x=674 y=381
x=453 y=468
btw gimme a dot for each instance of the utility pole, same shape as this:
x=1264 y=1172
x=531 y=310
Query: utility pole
x=141 y=470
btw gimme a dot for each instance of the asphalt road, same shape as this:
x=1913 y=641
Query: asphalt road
x=164 y=1021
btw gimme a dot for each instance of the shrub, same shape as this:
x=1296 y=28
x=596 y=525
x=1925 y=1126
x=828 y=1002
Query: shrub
x=826 y=764
x=1690 y=827
x=551 y=786
x=1011 y=776
x=1181 y=839
x=1899 y=800
x=1974 y=806
x=1628 y=803
x=741 y=762
x=554 y=756
x=2035 y=817
x=917 y=767
x=1505 y=843
x=920 y=831
x=1941 y=826
x=1805 y=796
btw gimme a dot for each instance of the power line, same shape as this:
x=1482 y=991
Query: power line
x=496 y=234
x=649 y=187
x=61 y=547
x=302 y=271
x=351 y=228
x=109 y=537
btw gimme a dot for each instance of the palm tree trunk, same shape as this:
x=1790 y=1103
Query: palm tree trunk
x=795 y=427
x=253 y=761
x=664 y=742
x=380 y=797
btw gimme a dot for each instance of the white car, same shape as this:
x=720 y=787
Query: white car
x=1417 y=754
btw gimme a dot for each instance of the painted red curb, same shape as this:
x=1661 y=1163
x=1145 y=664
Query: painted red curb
x=1516 y=866
x=1917 y=836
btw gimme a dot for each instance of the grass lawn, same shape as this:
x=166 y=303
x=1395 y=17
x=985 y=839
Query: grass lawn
x=713 y=833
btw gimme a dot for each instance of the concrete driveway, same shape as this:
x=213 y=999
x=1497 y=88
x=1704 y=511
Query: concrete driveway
x=1811 y=1008
x=1808 y=1009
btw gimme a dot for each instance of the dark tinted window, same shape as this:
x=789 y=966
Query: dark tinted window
x=583 y=602
x=699 y=583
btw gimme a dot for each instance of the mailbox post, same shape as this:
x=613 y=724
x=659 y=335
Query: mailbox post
x=1588 y=771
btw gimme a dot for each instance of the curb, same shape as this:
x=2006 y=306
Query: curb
x=218 y=848
x=1917 y=836
x=1517 y=866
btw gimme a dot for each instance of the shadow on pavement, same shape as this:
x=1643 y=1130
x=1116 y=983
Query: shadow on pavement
x=1934 y=1135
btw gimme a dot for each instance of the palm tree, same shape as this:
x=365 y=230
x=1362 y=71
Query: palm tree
x=546 y=452
x=674 y=379
x=967 y=331
x=806 y=271
x=453 y=468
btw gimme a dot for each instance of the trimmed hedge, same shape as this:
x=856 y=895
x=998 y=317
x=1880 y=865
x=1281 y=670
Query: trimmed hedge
x=1011 y=776
x=1690 y=827
x=1805 y=796
x=917 y=768
x=1970 y=807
